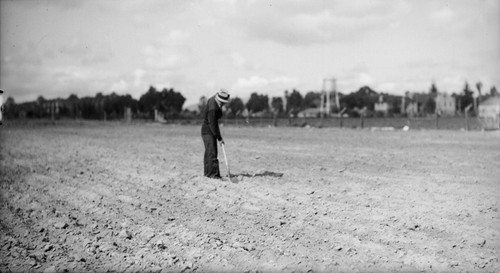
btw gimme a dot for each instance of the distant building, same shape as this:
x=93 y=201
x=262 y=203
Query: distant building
x=310 y=113
x=415 y=103
x=489 y=113
x=411 y=109
x=193 y=108
x=381 y=106
x=445 y=104
x=490 y=108
x=420 y=104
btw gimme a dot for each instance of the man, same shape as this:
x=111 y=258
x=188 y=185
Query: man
x=210 y=132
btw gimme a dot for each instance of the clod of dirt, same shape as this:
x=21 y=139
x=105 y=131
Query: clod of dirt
x=80 y=258
x=48 y=247
x=38 y=256
x=60 y=225
x=414 y=227
x=237 y=245
x=125 y=234
x=160 y=244
x=106 y=247
x=51 y=269
x=249 y=247
x=146 y=235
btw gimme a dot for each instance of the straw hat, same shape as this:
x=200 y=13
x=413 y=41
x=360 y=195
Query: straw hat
x=222 y=96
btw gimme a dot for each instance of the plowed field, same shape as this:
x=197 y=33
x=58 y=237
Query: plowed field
x=114 y=197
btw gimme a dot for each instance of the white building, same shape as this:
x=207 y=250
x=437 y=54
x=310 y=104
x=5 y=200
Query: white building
x=490 y=108
x=445 y=104
x=381 y=106
x=489 y=113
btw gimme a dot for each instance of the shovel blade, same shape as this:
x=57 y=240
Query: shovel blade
x=227 y=165
x=233 y=179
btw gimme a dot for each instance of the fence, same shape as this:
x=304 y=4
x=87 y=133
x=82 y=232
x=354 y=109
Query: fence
x=447 y=123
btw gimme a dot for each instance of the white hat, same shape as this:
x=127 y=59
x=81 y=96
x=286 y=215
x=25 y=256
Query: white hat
x=222 y=96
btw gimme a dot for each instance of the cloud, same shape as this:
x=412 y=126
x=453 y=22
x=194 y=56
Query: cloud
x=261 y=84
x=296 y=23
x=443 y=15
x=169 y=52
x=386 y=87
x=138 y=77
x=241 y=62
x=82 y=52
x=238 y=60
x=63 y=4
x=119 y=86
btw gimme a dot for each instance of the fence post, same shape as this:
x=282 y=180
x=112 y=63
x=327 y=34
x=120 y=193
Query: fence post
x=466 y=121
x=467 y=116
x=52 y=110
x=437 y=120
x=128 y=114
x=1 y=106
x=341 y=114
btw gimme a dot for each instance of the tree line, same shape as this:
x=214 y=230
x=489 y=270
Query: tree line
x=169 y=103
x=108 y=107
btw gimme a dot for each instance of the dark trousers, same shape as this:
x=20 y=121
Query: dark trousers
x=211 y=163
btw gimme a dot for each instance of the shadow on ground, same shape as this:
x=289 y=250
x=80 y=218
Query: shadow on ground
x=265 y=173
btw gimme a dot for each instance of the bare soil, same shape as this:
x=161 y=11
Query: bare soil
x=115 y=197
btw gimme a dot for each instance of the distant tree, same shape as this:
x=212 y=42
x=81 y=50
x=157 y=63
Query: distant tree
x=99 y=102
x=10 y=101
x=236 y=107
x=40 y=100
x=10 y=108
x=433 y=90
x=149 y=101
x=257 y=103
x=493 y=91
x=201 y=103
x=171 y=102
x=365 y=97
x=88 y=109
x=114 y=105
x=429 y=106
x=277 y=104
x=466 y=97
x=41 y=111
x=167 y=101
x=312 y=99
x=73 y=98
x=295 y=103
x=73 y=106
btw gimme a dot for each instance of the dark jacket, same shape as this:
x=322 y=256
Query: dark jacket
x=211 y=115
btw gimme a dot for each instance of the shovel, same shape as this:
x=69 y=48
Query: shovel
x=232 y=179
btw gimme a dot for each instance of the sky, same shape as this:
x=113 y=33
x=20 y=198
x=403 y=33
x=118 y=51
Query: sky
x=54 y=48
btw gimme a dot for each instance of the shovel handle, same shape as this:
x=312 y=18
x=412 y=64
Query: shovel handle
x=225 y=160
